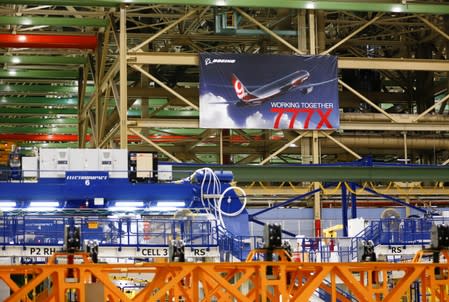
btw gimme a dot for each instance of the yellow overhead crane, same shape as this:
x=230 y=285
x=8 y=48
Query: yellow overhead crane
x=331 y=232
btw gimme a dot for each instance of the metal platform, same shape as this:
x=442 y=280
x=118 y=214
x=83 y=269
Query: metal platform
x=193 y=282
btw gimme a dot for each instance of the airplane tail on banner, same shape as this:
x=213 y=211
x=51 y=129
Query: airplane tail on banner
x=240 y=89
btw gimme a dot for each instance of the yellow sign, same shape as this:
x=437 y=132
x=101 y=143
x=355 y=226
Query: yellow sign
x=92 y=225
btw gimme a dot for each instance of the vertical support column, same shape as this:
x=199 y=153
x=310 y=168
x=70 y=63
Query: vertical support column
x=221 y=146
x=353 y=201
x=405 y=148
x=306 y=157
x=82 y=119
x=302 y=30
x=316 y=185
x=321 y=36
x=98 y=98
x=226 y=141
x=344 y=209
x=407 y=209
x=145 y=102
x=123 y=81
x=315 y=146
x=312 y=34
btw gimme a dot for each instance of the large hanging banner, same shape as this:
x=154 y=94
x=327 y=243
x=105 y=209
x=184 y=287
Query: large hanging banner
x=268 y=91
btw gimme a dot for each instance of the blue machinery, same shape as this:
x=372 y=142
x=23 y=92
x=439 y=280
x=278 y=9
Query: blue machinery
x=76 y=190
x=121 y=206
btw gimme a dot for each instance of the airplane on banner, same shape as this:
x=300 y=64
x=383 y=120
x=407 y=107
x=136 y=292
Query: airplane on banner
x=266 y=92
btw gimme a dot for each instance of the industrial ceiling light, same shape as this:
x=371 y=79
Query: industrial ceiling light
x=171 y=204
x=43 y=205
x=310 y=5
x=129 y=204
x=162 y=209
x=7 y=205
x=397 y=9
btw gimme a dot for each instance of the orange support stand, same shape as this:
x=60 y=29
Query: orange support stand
x=246 y=282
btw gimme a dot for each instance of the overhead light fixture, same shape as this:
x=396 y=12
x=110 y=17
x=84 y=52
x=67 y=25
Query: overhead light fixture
x=122 y=209
x=42 y=206
x=310 y=5
x=129 y=204
x=45 y=204
x=27 y=21
x=171 y=204
x=162 y=209
x=12 y=72
x=7 y=206
x=15 y=60
x=397 y=9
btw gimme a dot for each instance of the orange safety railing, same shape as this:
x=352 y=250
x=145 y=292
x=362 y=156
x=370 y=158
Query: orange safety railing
x=288 y=281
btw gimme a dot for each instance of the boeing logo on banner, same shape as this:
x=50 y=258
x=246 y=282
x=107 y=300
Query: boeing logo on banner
x=209 y=61
x=86 y=177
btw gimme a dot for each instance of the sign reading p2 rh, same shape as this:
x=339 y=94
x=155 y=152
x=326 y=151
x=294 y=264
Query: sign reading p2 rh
x=268 y=91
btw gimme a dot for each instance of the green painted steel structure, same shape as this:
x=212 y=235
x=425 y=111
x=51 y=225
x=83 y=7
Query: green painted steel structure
x=166 y=113
x=38 y=111
x=281 y=173
x=6 y=89
x=392 y=6
x=39 y=130
x=41 y=101
x=49 y=145
x=39 y=74
x=39 y=121
x=52 y=21
x=46 y=60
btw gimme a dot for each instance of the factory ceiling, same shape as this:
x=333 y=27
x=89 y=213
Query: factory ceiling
x=62 y=81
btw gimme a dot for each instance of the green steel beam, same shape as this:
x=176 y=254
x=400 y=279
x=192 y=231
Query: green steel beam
x=180 y=131
x=39 y=130
x=376 y=6
x=39 y=121
x=274 y=173
x=39 y=74
x=166 y=113
x=42 y=101
x=46 y=89
x=53 y=21
x=46 y=60
x=48 y=145
x=37 y=111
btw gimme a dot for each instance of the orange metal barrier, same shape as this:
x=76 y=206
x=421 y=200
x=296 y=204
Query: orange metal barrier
x=247 y=282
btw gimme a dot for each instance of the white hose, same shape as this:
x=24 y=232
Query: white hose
x=234 y=214
x=238 y=212
x=213 y=187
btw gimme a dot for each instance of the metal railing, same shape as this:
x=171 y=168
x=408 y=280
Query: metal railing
x=115 y=232
x=403 y=232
